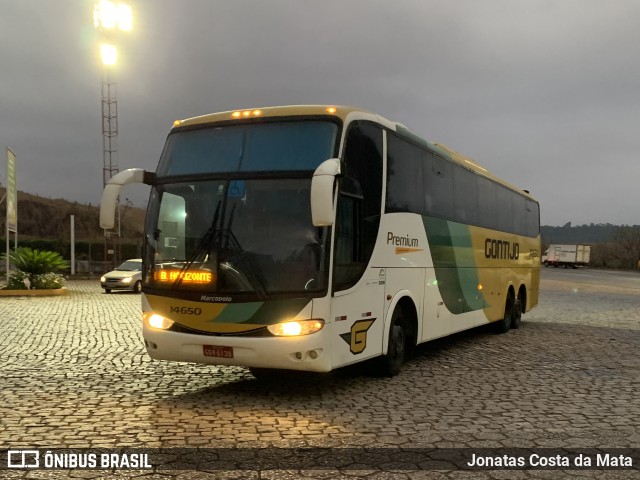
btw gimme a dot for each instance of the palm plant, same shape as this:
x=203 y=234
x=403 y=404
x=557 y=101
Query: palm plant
x=36 y=262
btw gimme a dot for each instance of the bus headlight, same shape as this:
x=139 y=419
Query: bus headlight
x=157 y=321
x=296 y=328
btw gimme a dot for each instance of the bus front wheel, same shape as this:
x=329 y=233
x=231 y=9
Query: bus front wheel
x=390 y=364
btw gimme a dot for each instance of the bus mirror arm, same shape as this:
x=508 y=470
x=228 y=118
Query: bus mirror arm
x=322 y=192
x=112 y=190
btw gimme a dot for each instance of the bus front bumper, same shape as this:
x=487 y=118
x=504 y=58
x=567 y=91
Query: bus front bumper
x=307 y=352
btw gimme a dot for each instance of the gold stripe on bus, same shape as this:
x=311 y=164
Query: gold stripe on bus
x=197 y=315
x=401 y=250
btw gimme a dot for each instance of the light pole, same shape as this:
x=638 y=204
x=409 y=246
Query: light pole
x=110 y=19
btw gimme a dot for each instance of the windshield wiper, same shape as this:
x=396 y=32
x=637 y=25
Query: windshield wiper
x=227 y=245
x=228 y=242
x=204 y=245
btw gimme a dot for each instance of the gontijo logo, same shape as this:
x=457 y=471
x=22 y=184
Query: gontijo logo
x=501 y=249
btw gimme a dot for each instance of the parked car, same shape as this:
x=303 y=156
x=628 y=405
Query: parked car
x=127 y=276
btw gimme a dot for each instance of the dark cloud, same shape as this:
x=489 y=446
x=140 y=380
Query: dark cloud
x=543 y=93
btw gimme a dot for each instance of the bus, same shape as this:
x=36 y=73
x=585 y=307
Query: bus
x=314 y=237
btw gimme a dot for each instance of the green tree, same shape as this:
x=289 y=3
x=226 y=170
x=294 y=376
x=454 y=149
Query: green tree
x=627 y=238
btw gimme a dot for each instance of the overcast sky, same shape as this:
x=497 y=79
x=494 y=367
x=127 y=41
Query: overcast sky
x=545 y=93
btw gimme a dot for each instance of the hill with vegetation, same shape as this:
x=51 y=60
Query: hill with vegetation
x=46 y=218
x=45 y=224
x=585 y=234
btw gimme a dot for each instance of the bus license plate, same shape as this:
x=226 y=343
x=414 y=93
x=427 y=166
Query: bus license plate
x=217 y=351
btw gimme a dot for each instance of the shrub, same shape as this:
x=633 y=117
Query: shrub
x=48 y=281
x=37 y=267
x=16 y=281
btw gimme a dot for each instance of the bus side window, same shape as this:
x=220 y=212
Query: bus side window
x=359 y=204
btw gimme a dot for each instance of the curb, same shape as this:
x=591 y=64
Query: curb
x=34 y=293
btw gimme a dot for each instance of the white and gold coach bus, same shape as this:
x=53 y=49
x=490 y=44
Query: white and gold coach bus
x=314 y=237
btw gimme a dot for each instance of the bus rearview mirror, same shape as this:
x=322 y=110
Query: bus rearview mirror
x=322 y=192
x=111 y=193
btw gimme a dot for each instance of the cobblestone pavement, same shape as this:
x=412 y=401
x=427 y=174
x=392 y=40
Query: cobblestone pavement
x=74 y=374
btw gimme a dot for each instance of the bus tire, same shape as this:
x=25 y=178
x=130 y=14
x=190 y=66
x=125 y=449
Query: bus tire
x=518 y=308
x=389 y=365
x=503 y=326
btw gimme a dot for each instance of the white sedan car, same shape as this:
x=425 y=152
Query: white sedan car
x=127 y=276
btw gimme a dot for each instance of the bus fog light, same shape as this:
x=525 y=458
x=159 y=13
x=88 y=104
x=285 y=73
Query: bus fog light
x=296 y=328
x=157 y=321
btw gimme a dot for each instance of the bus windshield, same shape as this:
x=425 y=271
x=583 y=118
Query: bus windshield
x=252 y=237
x=245 y=226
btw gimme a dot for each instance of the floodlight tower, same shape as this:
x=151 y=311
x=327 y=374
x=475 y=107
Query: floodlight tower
x=110 y=18
x=109 y=115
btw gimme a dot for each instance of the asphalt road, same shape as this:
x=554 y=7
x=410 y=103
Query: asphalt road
x=74 y=375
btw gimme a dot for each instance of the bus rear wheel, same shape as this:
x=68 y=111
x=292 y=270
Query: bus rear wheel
x=503 y=326
x=518 y=308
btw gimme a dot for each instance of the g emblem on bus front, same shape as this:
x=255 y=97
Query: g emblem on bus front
x=357 y=337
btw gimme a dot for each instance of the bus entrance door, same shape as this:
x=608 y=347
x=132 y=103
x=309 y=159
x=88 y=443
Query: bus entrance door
x=358 y=319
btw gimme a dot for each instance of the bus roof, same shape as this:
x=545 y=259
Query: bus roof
x=268 y=112
x=342 y=112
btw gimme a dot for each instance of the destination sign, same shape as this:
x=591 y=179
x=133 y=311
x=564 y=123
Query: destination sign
x=171 y=276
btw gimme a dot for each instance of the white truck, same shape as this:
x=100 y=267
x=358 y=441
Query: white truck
x=567 y=256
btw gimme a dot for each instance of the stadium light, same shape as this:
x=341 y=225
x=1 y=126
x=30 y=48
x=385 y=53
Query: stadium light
x=110 y=15
x=109 y=54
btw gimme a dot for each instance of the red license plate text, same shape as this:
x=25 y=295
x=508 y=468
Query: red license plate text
x=217 y=351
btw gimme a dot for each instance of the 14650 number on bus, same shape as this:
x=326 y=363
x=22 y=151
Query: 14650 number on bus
x=186 y=310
